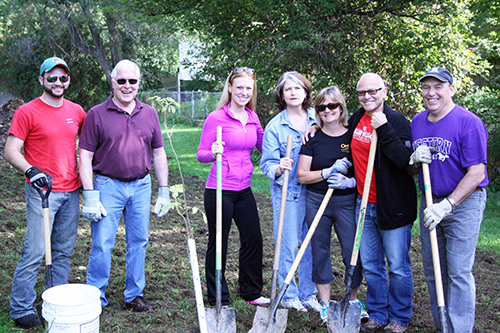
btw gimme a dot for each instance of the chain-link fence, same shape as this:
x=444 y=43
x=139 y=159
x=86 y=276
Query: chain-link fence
x=193 y=105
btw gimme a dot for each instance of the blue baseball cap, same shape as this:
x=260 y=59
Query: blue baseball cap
x=50 y=63
x=442 y=74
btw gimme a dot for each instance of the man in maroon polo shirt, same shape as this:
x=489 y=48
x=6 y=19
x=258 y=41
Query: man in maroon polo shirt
x=119 y=139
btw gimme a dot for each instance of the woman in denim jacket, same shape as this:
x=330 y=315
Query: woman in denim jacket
x=293 y=99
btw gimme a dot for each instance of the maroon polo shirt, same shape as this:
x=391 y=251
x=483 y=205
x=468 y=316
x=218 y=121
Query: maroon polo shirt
x=122 y=143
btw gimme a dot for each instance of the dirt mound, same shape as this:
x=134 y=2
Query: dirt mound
x=7 y=111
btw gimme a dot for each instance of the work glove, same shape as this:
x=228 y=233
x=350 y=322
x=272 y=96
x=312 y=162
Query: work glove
x=162 y=205
x=38 y=178
x=436 y=212
x=423 y=154
x=92 y=209
x=340 y=165
x=341 y=182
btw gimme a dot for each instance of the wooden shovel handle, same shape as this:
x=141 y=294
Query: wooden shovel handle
x=433 y=236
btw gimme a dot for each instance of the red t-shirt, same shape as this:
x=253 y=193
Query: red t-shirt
x=360 y=147
x=49 y=136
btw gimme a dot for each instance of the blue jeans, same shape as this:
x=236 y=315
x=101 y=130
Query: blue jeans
x=133 y=200
x=339 y=214
x=457 y=237
x=63 y=215
x=387 y=300
x=294 y=231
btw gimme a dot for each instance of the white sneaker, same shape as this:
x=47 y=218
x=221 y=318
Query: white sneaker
x=312 y=303
x=324 y=311
x=260 y=301
x=364 y=314
x=294 y=304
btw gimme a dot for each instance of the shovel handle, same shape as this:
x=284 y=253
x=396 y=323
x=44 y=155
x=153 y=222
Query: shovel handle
x=364 y=198
x=309 y=235
x=218 y=227
x=44 y=195
x=433 y=237
x=281 y=220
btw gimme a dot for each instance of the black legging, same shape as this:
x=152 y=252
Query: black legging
x=240 y=206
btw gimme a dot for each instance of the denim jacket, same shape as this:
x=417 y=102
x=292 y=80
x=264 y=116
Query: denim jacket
x=274 y=148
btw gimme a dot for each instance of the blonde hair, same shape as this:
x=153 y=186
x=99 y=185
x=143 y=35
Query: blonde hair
x=334 y=93
x=226 y=95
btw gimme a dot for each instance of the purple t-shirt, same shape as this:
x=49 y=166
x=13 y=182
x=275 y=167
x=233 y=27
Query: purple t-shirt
x=460 y=139
x=122 y=143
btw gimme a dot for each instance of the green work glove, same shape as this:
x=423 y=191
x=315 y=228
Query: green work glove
x=162 y=205
x=92 y=209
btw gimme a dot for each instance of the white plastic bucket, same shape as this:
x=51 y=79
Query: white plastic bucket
x=72 y=308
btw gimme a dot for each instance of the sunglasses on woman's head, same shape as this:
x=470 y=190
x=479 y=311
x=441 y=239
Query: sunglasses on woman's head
x=239 y=70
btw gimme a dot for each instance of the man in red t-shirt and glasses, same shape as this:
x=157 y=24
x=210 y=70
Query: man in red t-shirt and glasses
x=46 y=128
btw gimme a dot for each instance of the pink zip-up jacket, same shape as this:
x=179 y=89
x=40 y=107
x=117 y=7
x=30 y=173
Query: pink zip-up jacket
x=237 y=168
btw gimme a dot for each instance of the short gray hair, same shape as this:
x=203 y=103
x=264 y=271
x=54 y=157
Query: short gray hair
x=125 y=64
x=382 y=82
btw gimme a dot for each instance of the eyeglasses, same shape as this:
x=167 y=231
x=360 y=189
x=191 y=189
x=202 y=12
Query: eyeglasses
x=331 y=106
x=53 y=78
x=239 y=70
x=123 y=81
x=371 y=92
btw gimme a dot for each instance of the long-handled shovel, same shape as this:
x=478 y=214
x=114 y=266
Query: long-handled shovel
x=278 y=324
x=261 y=318
x=343 y=316
x=221 y=319
x=435 y=252
x=46 y=232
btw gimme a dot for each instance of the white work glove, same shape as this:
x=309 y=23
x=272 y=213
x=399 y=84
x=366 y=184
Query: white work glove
x=436 y=212
x=341 y=182
x=340 y=165
x=162 y=205
x=422 y=154
x=92 y=209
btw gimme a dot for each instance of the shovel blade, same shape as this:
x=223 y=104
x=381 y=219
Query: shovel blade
x=262 y=322
x=340 y=321
x=224 y=322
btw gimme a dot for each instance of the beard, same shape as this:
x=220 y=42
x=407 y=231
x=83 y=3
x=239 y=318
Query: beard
x=51 y=93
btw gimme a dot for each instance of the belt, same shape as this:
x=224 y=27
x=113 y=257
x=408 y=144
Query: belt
x=477 y=189
x=127 y=180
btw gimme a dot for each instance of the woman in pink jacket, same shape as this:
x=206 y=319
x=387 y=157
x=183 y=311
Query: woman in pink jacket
x=241 y=132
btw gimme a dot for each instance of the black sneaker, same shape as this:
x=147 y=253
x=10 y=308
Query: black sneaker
x=28 y=321
x=139 y=304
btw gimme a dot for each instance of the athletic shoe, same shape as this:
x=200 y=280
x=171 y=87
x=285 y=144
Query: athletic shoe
x=324 y=311
x=312 y=303
x=364 y=314
x=139 y=304
x=294 y=304
x=394 y=327
x=371 y=326
x=260 y=301
x=29 y=321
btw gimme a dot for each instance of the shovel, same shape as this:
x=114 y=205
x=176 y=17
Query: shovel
x=46 y=232
x=344 y=316
x=435 y=252
x=221 y=319
x=277 y=324
x=262 y=314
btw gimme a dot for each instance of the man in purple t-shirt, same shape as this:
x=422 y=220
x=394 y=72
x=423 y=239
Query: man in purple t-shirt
x=119 y=139
x=454 y=142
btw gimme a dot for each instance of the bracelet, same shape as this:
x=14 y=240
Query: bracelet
x=452 y=203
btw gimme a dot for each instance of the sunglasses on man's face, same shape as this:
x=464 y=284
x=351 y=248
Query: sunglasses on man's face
x=331 y=106
x=123 y=81
x=53 y=78
x=239 y=70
